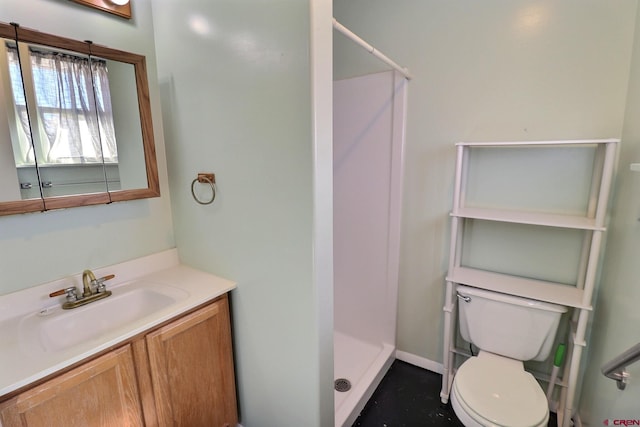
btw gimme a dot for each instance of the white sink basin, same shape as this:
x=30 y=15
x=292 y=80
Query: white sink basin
x=59 y=330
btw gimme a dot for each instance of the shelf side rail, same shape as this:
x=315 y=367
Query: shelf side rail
x=616 y=367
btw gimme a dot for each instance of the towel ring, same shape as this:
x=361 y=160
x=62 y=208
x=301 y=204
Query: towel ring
x=205 y=179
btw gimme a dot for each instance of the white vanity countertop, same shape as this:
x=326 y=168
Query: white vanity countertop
x=23 y=362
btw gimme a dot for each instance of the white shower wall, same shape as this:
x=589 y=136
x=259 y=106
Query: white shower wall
x=368 y=140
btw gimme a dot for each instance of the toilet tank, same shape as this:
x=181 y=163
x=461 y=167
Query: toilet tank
x=507 y=325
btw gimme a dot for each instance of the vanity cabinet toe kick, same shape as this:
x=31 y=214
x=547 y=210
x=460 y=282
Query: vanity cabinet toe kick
x=177 y=374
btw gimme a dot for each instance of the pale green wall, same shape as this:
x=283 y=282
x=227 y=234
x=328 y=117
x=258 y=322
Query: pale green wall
x=499 y=70
x=41 y=247
x=235 y=82
x=616 y=325
x=238 y=103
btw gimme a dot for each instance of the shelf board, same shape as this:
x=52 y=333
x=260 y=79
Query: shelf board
x=556 y=293
x=532 y=218
x=547 y=143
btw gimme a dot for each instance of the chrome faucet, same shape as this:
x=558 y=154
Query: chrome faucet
x=93 y=290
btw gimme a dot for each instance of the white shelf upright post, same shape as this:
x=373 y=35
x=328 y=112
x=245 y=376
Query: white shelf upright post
x=454 y=261
x=579 y=343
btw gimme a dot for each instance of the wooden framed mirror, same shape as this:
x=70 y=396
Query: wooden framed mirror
x=120 y=8
x=75 y=124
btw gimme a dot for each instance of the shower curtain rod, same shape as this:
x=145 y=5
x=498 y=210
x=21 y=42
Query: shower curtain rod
x=372 y=50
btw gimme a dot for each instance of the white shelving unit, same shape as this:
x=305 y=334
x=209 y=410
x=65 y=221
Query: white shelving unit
x=576 y=296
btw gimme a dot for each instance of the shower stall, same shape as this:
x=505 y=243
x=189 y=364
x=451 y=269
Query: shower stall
x=368 y=137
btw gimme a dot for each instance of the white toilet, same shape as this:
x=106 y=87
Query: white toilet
x=493 y=389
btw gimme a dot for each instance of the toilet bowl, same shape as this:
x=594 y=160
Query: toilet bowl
x=492 y=390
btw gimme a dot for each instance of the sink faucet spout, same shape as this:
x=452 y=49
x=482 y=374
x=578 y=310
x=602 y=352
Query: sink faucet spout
x=88 y=279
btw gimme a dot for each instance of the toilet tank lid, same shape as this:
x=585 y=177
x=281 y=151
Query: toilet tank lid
x=510 y=299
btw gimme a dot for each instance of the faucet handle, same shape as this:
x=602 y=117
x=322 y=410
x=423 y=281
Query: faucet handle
x=100 y=282
x=71 y=293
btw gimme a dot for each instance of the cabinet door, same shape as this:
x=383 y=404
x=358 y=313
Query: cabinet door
x=192 y=369
x=100 y=393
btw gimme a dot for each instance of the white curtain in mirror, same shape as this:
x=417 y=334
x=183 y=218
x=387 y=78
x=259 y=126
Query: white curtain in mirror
x=22 y=148
x=74 y=122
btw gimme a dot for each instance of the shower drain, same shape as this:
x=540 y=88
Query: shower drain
x=342 y=384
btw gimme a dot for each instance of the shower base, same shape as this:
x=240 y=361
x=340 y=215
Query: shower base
x=363 y=364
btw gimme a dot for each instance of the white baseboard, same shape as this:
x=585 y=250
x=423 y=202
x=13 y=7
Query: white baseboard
x=420 y=362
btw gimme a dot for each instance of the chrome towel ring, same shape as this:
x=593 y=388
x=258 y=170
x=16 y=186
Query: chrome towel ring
x=204 y=178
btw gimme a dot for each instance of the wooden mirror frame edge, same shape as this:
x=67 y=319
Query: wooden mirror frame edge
x=123 y=11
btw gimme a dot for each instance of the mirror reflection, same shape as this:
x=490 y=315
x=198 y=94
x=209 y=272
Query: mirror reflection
x=70 y=123
x=18 y=182
x=127 y=135
x=75 y=126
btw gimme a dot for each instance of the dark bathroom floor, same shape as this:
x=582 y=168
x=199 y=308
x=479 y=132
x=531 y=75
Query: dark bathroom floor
x=409 y=396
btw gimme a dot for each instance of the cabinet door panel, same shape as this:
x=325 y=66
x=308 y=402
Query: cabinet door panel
x=100 y=393
x=192 y=369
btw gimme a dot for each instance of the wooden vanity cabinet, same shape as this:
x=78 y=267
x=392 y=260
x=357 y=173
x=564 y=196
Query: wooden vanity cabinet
x=102 y=392
x=180 y=375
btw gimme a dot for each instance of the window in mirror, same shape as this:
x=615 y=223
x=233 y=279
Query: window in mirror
x=78 y=126
x=69 y=134
x=72 y=135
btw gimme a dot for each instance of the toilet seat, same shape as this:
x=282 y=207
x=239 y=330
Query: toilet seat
x=494 y=390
